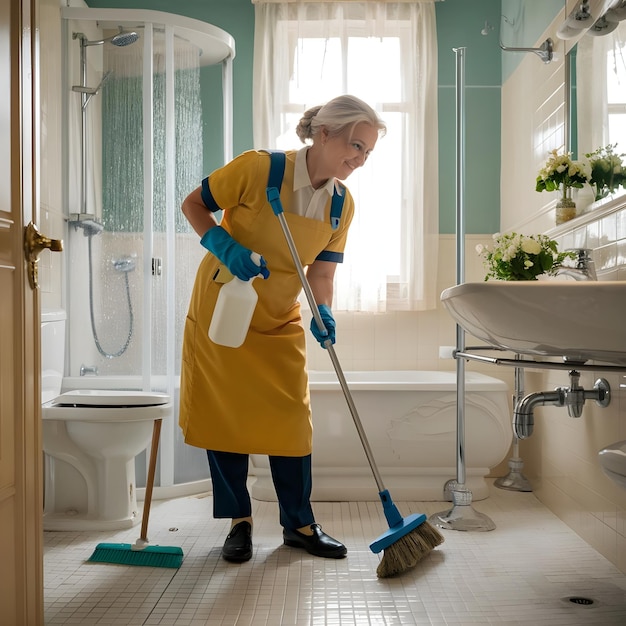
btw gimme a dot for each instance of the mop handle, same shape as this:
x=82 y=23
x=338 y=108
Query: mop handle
x=329 y=346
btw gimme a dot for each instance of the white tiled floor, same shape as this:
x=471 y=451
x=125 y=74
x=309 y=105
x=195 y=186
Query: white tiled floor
x=523 y=572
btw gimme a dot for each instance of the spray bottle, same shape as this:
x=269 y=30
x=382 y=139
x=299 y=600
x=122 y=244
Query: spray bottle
x=233 y=310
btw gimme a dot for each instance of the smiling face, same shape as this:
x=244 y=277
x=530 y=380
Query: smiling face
x=344 y=153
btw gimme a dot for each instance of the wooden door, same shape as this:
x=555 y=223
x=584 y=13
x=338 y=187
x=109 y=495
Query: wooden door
x=21 y=534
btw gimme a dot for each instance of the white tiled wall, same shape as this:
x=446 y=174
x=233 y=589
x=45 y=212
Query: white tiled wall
x=561 y=456
x=404 y=340
x=51 y=221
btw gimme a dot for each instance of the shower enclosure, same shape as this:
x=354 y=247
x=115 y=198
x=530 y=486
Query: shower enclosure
x=134 y=82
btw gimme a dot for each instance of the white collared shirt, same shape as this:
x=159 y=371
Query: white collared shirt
x=309 y=202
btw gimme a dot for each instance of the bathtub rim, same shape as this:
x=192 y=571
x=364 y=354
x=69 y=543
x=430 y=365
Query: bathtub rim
x=404 y=380
x=396 y=380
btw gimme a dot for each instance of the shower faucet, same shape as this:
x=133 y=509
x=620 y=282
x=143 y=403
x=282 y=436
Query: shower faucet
x=125 y=263
x=88 y=370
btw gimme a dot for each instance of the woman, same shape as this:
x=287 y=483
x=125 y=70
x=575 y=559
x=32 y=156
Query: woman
x=254 y=399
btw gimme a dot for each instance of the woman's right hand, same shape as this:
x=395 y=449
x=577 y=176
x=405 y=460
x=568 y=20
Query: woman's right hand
x=237 y=258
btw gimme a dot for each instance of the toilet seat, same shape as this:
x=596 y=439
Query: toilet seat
x=108 y=398
x=103 y=405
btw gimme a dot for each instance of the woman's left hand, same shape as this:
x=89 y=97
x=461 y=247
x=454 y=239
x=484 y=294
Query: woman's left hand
x=329 y=323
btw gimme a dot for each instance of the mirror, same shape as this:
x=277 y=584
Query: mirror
x=571 y=139
x=596 y=74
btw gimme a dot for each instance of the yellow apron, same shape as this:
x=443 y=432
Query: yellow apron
x=253 y=399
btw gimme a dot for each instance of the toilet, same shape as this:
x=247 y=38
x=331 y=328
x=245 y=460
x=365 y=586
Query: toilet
x=613 y=462
x=90 y=441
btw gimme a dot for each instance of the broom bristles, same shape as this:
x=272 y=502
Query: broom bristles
x=150 y=556
x=409 y=550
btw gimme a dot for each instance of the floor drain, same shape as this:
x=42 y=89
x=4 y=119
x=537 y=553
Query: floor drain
x=578 y=600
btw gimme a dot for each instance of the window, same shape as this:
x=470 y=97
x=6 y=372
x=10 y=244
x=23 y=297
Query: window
x=601 y=91
x=616 y=91
x=308 y=53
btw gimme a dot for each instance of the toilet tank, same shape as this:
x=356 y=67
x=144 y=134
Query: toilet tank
x=52 y=353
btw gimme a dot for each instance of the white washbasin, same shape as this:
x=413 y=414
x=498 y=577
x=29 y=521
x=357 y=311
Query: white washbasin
x=613 y=462
x=580 y=320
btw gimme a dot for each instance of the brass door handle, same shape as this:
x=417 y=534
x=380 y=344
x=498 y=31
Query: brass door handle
x=34 y=243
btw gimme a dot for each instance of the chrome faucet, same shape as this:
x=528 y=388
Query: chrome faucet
x=583 y=268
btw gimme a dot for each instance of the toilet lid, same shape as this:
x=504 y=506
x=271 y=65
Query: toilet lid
x=110 y=398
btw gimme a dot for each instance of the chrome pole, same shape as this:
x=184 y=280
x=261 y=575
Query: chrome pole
x=84 y=100
x=460 y=258
x=462 y=516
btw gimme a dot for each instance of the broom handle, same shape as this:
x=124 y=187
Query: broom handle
x=147 y=501
x=331 y=351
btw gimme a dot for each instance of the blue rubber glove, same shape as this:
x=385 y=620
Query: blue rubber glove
x=329 y=322
x=232 y=254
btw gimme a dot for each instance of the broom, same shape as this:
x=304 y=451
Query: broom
x=408 y=540
x=141 y=553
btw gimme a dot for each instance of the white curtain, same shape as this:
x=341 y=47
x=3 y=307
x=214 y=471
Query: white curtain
x=306 y=53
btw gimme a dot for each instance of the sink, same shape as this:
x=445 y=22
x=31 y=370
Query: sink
x=613 y=462
x=579 y=320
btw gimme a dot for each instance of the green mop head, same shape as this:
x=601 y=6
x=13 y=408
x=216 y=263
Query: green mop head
x=148 y=556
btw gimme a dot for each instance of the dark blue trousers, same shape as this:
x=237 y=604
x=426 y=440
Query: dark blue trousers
x=292 y=481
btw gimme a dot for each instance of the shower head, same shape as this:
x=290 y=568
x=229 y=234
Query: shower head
x=120 y=39
x=124 y=38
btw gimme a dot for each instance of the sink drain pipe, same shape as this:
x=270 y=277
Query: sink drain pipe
x=573 y=397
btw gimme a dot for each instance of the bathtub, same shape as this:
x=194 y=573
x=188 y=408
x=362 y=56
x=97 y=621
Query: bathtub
x=410 y=419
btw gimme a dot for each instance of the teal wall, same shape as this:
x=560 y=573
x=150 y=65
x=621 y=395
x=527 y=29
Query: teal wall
x=528 y=21
x=459 y=24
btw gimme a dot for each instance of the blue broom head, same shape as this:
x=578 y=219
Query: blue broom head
x=150 y=556
x=404 y=527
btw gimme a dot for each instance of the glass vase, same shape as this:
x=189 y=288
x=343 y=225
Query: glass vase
x=565 y=207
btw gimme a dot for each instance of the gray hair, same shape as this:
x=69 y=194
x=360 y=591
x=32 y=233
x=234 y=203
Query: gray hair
x=337 y=115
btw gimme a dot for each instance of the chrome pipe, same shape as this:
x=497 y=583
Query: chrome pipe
x=573 y=397
x=523 y=416
x=460 y=257
x=515 y=480
x=545 y=52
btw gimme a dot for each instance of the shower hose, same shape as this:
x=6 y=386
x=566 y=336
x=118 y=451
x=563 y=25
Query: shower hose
x=123 y=349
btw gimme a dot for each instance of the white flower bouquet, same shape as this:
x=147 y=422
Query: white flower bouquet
x=561 y=173
x=608 y=171
x=521 y=257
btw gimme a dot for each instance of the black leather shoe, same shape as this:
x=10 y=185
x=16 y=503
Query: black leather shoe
x=318 y=544
x=238 y=545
